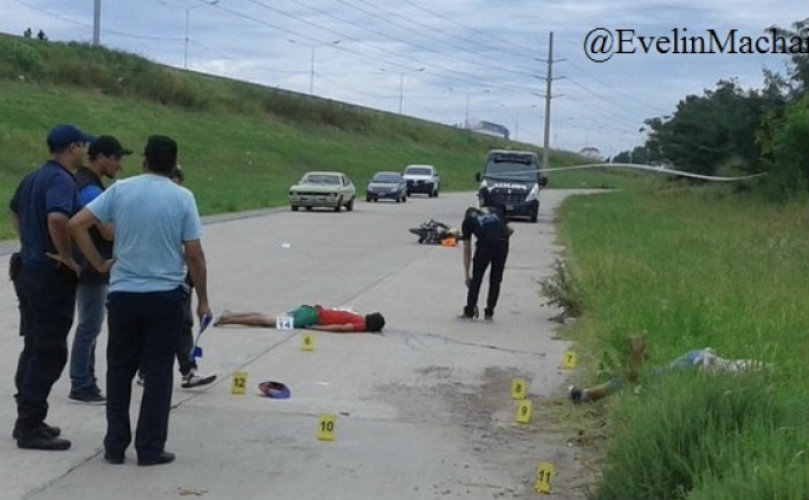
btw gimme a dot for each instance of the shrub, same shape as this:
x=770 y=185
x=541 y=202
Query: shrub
x=562 y=291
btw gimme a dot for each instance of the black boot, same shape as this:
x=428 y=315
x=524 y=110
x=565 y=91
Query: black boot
x=40 y=439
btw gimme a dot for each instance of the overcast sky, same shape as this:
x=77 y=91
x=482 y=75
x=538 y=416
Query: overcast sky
x=479 y=57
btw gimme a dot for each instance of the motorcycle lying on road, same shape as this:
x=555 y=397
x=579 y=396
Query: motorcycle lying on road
x=434 y=232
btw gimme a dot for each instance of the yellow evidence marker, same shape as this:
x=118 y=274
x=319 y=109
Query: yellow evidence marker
x=518 y=388
x=239 y=385
x=545 y=473
x=524 y=412
x=569 y=360
x=325 y=427
x=308 y=342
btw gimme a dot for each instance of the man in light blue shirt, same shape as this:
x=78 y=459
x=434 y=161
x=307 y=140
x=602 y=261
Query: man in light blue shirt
x=157 y=232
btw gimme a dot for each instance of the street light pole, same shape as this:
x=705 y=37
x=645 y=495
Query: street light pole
x=312 y=59
x=312 y=72
x=185 y=51
x=401 y=91
x=466 y=114
x=187 y=18
x=401 y=82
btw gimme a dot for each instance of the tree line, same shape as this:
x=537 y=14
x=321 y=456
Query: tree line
x=729 y=130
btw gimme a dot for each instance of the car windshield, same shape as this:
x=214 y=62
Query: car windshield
x=387 y=178
x=320 y=179
x=511 y=169
x=418 y=171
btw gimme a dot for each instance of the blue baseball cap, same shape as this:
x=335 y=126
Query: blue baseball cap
x=274 y=390
x=63 y=135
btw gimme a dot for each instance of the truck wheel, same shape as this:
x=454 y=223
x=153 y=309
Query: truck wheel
x=339 y=205
x=294 y=208
x=350 y=205
x=534 y=216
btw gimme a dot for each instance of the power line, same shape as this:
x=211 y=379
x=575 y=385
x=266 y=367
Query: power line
x=235 y=58
x=85 y=25
x=488 y=35
x=304 y=36
x=465 y=77
x=632 y=99
x=358 y=92
x=386 y=19
x=607 y=100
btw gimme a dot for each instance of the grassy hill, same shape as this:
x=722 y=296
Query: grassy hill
x=242 y=145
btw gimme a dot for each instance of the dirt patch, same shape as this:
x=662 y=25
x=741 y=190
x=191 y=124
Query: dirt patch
x=483 y=414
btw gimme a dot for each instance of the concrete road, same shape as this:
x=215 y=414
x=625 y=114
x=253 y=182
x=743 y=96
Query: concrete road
x=423 y=411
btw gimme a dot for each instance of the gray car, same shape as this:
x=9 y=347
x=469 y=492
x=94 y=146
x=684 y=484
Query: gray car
x=389 y=185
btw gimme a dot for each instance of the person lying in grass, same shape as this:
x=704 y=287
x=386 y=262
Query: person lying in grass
x=705 y=360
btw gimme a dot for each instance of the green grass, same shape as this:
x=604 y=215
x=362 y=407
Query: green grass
x=695 y=268
x=241 y=145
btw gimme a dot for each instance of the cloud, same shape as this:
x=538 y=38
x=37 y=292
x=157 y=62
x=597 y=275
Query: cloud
x=480 y=56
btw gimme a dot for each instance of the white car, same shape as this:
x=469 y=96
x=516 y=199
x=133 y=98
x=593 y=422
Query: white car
x=323 y=189
x=422 y=179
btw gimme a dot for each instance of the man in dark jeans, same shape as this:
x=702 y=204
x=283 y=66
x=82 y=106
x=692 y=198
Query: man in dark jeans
x=46 y=282
x=157 y=231
x=491 y=231
x=105 y=155
x=187 y=363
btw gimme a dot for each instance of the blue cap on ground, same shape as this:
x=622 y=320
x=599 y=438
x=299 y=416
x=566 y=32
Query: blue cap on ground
x=274 y=390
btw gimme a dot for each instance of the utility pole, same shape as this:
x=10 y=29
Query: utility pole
x=548 y=79
x=97 y=23
x=548 y=96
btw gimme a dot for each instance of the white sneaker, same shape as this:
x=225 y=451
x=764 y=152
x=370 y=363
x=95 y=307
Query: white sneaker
x=196 y=380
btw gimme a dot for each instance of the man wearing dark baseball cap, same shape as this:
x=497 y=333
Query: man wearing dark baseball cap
x=62 y=136
x=105 y=155
x=46 y=282
x=107 y=145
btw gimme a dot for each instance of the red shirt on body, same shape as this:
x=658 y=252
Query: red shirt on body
x=334 y=317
